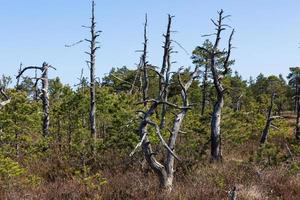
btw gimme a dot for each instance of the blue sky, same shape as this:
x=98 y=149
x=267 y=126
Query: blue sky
x=32 y=31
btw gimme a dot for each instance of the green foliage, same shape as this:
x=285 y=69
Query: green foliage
x=269 y=154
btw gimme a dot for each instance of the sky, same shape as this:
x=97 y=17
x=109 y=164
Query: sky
x=33 y=31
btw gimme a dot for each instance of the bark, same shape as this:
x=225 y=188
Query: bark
x=45 y=99
x=7 y=99
x=92 y=63
x=238 y=103
x=216 y=153
x=268 y=122
x=165 y=171
x=165 y=72
x=144 y=64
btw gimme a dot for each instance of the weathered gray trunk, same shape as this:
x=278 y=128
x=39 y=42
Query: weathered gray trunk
x=144 y=64
x=216 y=153
x=45 y=99
x=92 y=63
x=7 y=99
x=45 y=95
x=268 y=122
x=164 y=73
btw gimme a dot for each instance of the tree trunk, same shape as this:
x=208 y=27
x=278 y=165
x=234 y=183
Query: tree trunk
x=92 y=62
x=45 y=99
x=164 y=73
x=216 y=154
x=269 y=120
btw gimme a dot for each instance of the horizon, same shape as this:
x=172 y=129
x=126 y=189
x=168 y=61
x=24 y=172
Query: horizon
x=266 y=43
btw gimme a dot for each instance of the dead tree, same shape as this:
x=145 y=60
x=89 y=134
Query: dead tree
x=45 y=95
x=238 y=103
x=142 y=71
x=164 y=77
x=6 y=98
x=270 y=118
x=144 y=63
x=217 y=76
x=164 y=170
x=91 y=63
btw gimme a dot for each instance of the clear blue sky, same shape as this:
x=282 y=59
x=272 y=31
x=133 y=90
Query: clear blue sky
x=32 y=31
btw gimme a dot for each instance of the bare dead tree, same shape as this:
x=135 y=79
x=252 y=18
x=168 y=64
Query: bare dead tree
x=142 y=71
x=92 y=62
x=164 y=77
x=144 y=63
x=217 y=75
x=6 y=98
x=45 y=95
x=165 y=169
x=270 y=118
x=238 y=103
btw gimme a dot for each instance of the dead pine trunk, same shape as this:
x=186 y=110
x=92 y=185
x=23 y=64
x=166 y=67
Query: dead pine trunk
x=45 y=99
x=45 y=95
x=144 y=63
x=92 y=63
x=218 y=70
x=268 y=122
x=216 y=154
x=165 y=71
x=7 y=99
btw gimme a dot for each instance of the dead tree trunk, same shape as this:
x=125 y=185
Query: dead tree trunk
x=238 y=103
x=165 y=71
x=45 y=99
x=164 y=170
x=144 y=64
x=7 y=99
x=218 y=75
x=268 y=122
x=92 y=63
x=45 y=94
